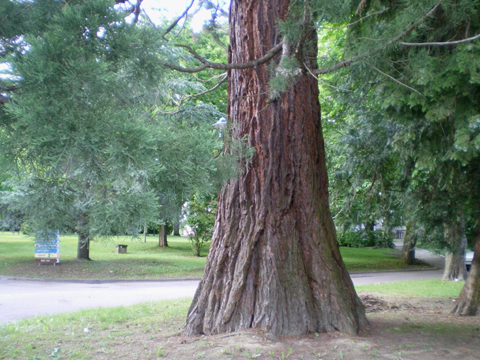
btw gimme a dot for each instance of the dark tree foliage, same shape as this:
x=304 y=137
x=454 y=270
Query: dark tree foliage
x=88 y=134
x=426 y=90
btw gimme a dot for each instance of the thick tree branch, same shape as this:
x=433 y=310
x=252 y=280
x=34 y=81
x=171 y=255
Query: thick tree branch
x=134 y=9
x=349 y=61
x=220 y=66
x=442 y=43
x=323 y=82
x=275 y=50
x=175 y=22
x=4 y=99
x=186 y=97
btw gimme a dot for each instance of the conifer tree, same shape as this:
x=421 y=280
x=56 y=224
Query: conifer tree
x=82 y=129
x=258 y=215
x=426 y=90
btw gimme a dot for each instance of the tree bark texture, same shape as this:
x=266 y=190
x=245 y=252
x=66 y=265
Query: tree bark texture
x=83 y=246
x=455 y=267
x=468 y=302
x=409 y=242
x=176 y=228
x=274 y=262
x=162 y=236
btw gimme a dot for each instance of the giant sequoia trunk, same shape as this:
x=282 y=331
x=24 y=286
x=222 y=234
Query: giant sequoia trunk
x=468 y=303
x=274 y=262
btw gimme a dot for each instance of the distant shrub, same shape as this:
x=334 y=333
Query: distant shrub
x=362 y=239
x=26 y=229
x=201 y=218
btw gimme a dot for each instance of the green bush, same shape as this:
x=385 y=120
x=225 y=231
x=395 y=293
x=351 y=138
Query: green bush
x=360 y=239
x=26 y=229
x=201 y=218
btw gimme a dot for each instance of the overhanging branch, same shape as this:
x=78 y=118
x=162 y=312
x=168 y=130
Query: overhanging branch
x=397 y=81
x=186 y=97
x=442 y=43
x=349 y=61
x=175 y=22
x=134 y=8
x=220 y=66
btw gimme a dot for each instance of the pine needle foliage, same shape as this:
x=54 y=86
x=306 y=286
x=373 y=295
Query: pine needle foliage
x=90 y=136
x=414 y=105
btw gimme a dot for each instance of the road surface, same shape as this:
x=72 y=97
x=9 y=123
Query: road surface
x=25 y=298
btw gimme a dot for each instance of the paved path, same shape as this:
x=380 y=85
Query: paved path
x=24 y=298
x=20 y=299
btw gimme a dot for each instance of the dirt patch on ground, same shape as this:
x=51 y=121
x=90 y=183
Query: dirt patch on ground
x=408 y=329
x=399 y=329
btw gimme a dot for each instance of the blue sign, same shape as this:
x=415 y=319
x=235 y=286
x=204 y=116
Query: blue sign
x=47 y=247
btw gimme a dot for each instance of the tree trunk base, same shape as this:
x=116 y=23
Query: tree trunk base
x=468 y=302
x=455 y=268
x=274 y=263
x=162 y=236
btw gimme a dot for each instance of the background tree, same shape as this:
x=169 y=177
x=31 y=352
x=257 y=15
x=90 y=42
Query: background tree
x=426 y=90
x=84 y=131
x=201 y=218
x=75 y=134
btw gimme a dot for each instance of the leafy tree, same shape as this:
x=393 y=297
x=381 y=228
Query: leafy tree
x=201 y=218
x=426 y=91
x=75 y=135
x=274 y=262
x=83 y=131
x=188 y=167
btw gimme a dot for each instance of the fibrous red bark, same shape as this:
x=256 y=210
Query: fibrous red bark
x=468 y=302
x=274 y=262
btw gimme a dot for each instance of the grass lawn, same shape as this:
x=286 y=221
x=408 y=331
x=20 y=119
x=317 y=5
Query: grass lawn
x=142 y=260
x=414 y=328
x=415 y=288
x=369 y=259
x=146 y=260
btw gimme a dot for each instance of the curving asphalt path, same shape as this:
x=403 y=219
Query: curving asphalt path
x=22 y=298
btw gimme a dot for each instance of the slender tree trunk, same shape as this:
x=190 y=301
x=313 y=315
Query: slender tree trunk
x=468 y=302
x=162 y=236
x=176 y=228
x=83 y=247
x=410 y=239
x=274 y=262
x=145 y=230
x=409 y=243
x=455 y=267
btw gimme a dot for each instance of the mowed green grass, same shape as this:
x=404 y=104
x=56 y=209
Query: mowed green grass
x=370 y=259
x=143 y=331
x=142 y=260
x=420 y=289
x=146 y=260
x=125 y=332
